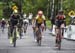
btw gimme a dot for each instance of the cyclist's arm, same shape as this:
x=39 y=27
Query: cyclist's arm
x=36 y=19
x=64 y=18
x=44 y=20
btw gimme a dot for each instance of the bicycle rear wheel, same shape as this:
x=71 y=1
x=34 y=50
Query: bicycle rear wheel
x=14 y=42
x=59 y=45
x=59 y=42
x=58 y=39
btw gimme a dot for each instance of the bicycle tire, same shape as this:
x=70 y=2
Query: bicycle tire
x=59 y=45
x=38 y=37
x=14 y=38
x=9 y=32
x=20 y=33
x=39 y=42
x=59 y=42
x=58 y=39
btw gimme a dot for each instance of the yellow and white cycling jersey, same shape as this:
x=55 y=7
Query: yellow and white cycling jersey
x=40 y=19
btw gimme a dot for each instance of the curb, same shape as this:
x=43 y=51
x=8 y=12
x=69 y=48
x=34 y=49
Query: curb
x=63 y=38
x=69 y=39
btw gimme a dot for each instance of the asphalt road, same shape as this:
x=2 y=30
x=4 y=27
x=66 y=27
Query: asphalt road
x=28 y=45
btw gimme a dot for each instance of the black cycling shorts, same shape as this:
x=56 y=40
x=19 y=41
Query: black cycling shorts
x=58 y=23
x=38 y=25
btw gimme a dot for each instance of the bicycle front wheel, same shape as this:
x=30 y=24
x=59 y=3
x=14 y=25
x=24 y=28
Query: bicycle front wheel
x=14 y=38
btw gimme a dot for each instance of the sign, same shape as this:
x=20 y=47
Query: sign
x=71 y=13
x=15 y=7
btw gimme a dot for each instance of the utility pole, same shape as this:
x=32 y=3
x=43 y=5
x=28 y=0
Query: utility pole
x=48 y=7
x=61 y=4
x=52 y=9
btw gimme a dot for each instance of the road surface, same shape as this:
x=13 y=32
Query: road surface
x=28 y=45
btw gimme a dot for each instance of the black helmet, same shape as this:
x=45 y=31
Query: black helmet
x=60 y=11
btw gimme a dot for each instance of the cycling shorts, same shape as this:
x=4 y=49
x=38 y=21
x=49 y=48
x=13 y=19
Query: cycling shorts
x=59 y=22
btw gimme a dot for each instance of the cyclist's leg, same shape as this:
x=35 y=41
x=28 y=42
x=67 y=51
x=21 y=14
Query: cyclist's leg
x=14 y=36
x=58 y=38
x=25 y=28
x=39 y=29
x=57 y=32
x=11 y=34
x=21 y=31
x=2 y=27
x=36 y=31
x=11 y=30
x=40 y=35
x=45 y=25
x=62 y=28
x=59 y=35
x=39 y=32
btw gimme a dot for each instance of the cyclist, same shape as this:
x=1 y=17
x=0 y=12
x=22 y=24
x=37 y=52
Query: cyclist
x=14 y=19
x=40 y=21
x=3 y=23
x=30 y=18
x=60 y=20
x=25 y=23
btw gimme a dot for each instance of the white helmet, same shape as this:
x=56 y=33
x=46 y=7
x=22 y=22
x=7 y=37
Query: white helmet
x=3 y=19
x=15 y=11
x=24 y=15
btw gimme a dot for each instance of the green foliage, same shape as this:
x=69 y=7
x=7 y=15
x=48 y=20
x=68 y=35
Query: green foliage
x=34 y=5
x=48 y=23
x=1 y=10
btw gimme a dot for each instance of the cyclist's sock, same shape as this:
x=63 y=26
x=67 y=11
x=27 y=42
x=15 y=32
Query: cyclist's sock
x=17 y=33
x=11 y=41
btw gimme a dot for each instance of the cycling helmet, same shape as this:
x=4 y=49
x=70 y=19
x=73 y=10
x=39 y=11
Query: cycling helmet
x=3 y=19
x=60 y=11
x=15 y=11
